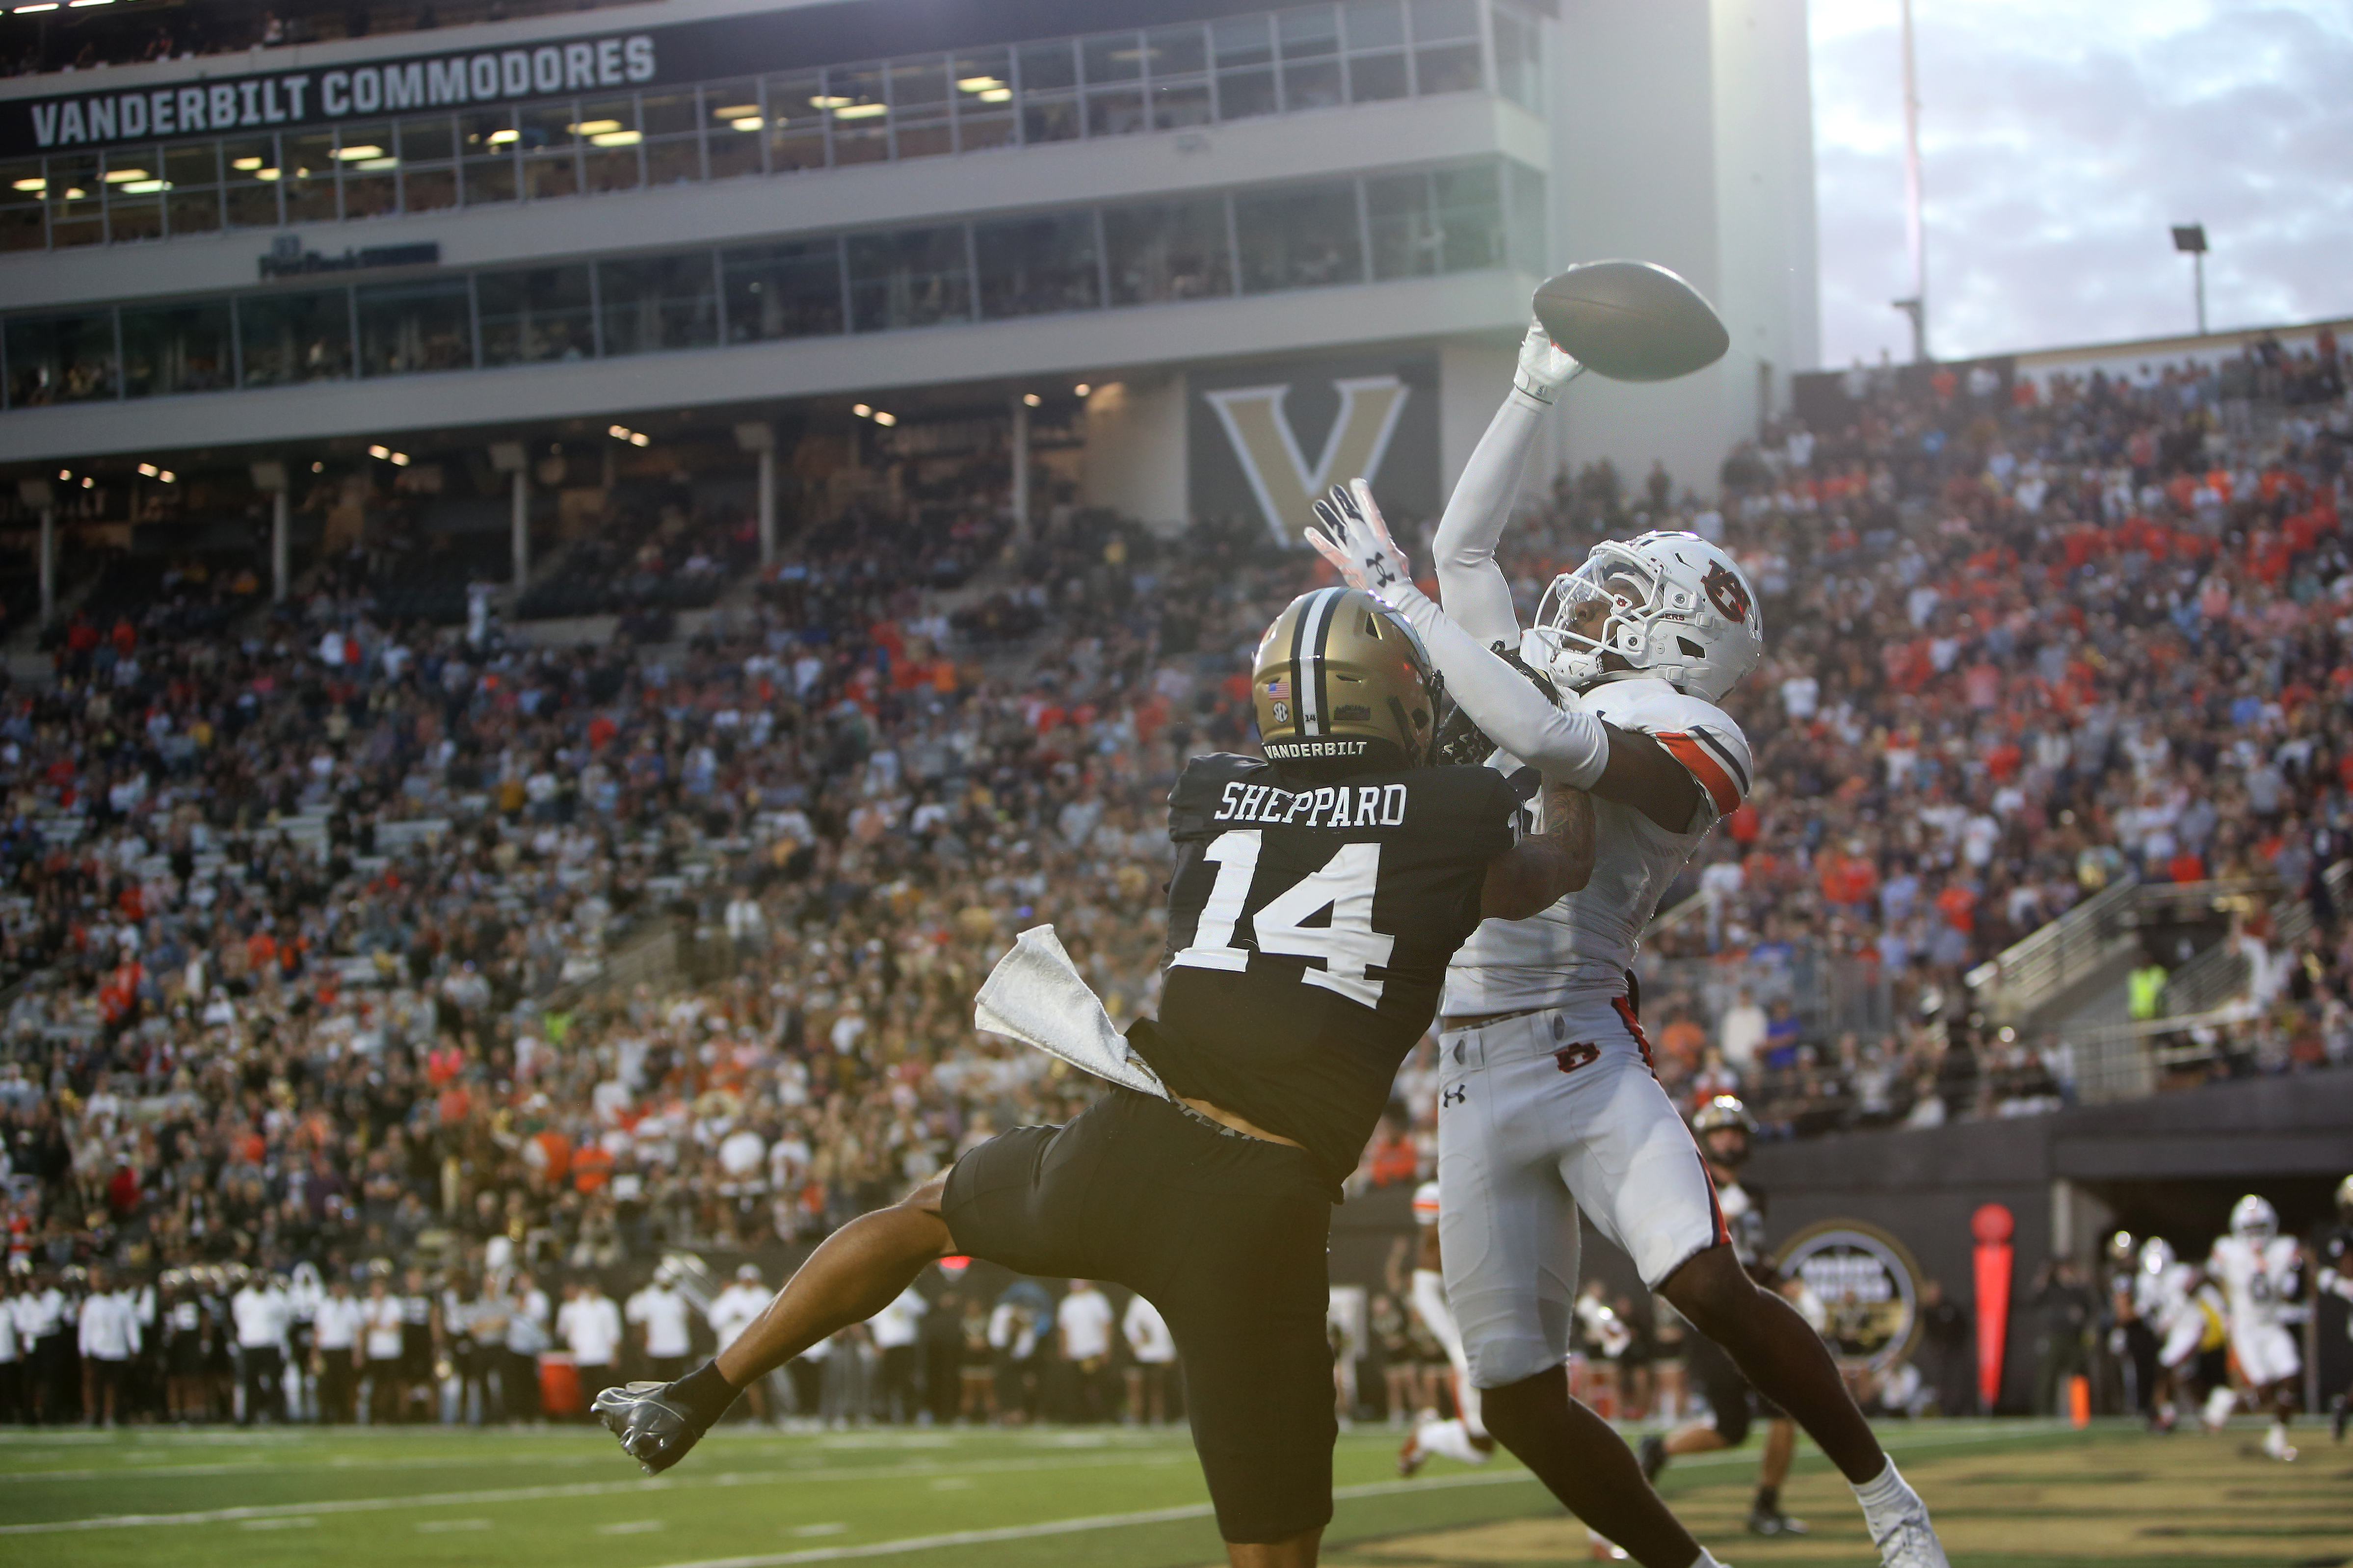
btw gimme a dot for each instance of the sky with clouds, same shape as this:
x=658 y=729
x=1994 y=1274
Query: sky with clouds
x=2059 y=139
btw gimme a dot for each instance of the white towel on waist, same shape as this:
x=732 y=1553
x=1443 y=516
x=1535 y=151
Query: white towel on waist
x=1036 y=995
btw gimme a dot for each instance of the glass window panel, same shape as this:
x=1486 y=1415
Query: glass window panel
x=1241 y=41
x=983 y=80
x=550 y=143
x=1376 y=79
x=1115 y=113
x=1034 y=265
x=1113 y=56
x=488 y=139
x=192 y=187
x=367 y=156
x=1471 y=217
x=658 y=302
x=428 y=138
x=1177 y=51
x=1373 y=24
x=919 y=107
x=1452 y=67
x=1049 y=120
x=174 y=348
x=1169 y=250
x=22 y=199
x=406 y=328
x=76 y=209
x=1311 y=32
x=860 y=114
x=1245 y=94
x=1406 y=242
x=914 y=278
x=428 y=190
x=249 y=178
x=60 y=359
x=1048 y=67
x=535 y=314
x=735 y=127
x=1527 y=218
x=670 y=113
x=673 y=128
x=1300 y=237
x=787 y=291
x=797 y=122
x=192 y=163
x=135 y=187
x=308 y=184
x=1314 y=85
x=1439 y=21
x=611 y=141
x=1175 y=106
x=979 y=133
x=299 y=336
x=1519 y=62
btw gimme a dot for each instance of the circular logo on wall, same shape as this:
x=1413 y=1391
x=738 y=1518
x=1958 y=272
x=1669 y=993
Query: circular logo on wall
x=1868 y=1286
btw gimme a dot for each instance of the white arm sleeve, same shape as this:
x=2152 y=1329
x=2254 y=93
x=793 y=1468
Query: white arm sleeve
x=1469 y=581
x=1567 y=744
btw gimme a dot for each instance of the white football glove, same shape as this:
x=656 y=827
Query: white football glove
x=1350 y=534
x=1545 y=368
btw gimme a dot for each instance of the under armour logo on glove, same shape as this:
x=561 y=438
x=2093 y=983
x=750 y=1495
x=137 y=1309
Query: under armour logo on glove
x=1350 y=534
x=1376 y=571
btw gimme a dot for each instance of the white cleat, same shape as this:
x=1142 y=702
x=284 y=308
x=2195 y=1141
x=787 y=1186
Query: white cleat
x=2276 y=1445
x=1603 y=1550
x=1907 y=1540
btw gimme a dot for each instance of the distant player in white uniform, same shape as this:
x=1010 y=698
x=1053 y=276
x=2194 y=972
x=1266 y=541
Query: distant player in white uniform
x=1549 y=1104
x=1463 y=1436
x=2256 y=1267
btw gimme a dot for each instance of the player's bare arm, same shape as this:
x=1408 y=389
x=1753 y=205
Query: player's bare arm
x=1546 y=866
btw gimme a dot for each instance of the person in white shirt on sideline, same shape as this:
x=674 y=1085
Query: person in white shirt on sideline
x=895 y=1328
x=335 y=1331
x=110 y=1337
x=527 y=1338
x=12 y=1359
x=41 y=1327
x=381 y=1326
x=658 y=1313
x=730 y=1313
x=1085 y=1318
x=260 y=1311
x=1154 y=1350
x=589 y=1326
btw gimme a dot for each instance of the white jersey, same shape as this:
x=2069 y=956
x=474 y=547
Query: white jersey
x=1584 y=944
x=2162 y=1296
x=2256 y=1278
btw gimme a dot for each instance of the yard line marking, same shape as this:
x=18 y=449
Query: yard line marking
x=298 y=1523
x=836 y=1528
x=1204 y=1510
x=632 y=1527
x=922 y=1467
x=443 y=1526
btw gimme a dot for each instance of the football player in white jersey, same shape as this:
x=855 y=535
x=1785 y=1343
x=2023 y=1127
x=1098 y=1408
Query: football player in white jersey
x=1550 y=1104
x=2256 y=1267
x=1462 y=1437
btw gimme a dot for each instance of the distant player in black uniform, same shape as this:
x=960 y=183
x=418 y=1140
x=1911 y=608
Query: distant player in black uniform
x=1725 y=1129
x=1315 y=899
x=2332 y=1302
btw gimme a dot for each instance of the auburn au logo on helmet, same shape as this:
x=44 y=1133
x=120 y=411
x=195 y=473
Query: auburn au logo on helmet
x=1727 y=591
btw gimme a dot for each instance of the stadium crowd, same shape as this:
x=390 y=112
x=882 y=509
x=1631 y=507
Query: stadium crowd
x=363 y=958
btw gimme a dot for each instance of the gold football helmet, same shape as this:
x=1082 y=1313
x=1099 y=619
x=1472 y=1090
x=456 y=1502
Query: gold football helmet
x=1340 y=678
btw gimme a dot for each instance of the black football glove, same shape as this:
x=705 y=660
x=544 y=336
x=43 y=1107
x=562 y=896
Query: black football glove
x=655 y=1425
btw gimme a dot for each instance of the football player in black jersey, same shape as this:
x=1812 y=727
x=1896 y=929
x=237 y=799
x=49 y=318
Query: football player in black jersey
x=1724 y=1130
x=1316 y=897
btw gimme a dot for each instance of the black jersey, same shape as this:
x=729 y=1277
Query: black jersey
x=1309 y=928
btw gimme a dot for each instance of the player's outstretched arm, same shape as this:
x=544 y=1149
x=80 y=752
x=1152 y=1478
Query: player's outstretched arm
x=1470 y=584
x=1546 y=867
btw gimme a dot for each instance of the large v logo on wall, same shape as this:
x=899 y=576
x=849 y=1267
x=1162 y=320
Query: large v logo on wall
x=1381 y=425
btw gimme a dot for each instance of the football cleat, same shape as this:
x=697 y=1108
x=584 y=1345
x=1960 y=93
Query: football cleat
x=1412 y=1456
x=655 y=1429
x=1601 y=1549
x=1653 y=1455
x=2343 y=1413
x=1908 y=1540
x=2277 y=1446
x=1773 y=1521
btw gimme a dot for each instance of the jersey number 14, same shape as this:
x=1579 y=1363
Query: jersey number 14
x=1348 y=945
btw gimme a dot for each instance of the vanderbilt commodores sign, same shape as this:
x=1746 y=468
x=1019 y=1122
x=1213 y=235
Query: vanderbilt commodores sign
x=1267 y=440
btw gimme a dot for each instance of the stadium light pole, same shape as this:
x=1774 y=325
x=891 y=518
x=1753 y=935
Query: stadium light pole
x=37 y=495
x=270 y=476
x=1915 y=232
x=508 y=457
x=2190 y=238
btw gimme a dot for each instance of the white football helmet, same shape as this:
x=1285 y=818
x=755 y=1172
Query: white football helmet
x=2252 y=1219
x=1679 y=610
x=2156 y=1255
x=1425 y=1203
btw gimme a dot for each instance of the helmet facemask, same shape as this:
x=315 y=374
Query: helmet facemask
x=1605 y=607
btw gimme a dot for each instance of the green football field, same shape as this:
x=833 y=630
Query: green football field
x=2008 y=1493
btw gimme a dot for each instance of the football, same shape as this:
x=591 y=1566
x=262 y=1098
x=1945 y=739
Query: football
x=1631 y=320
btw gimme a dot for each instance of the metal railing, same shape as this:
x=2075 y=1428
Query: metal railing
x=2032 y=971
